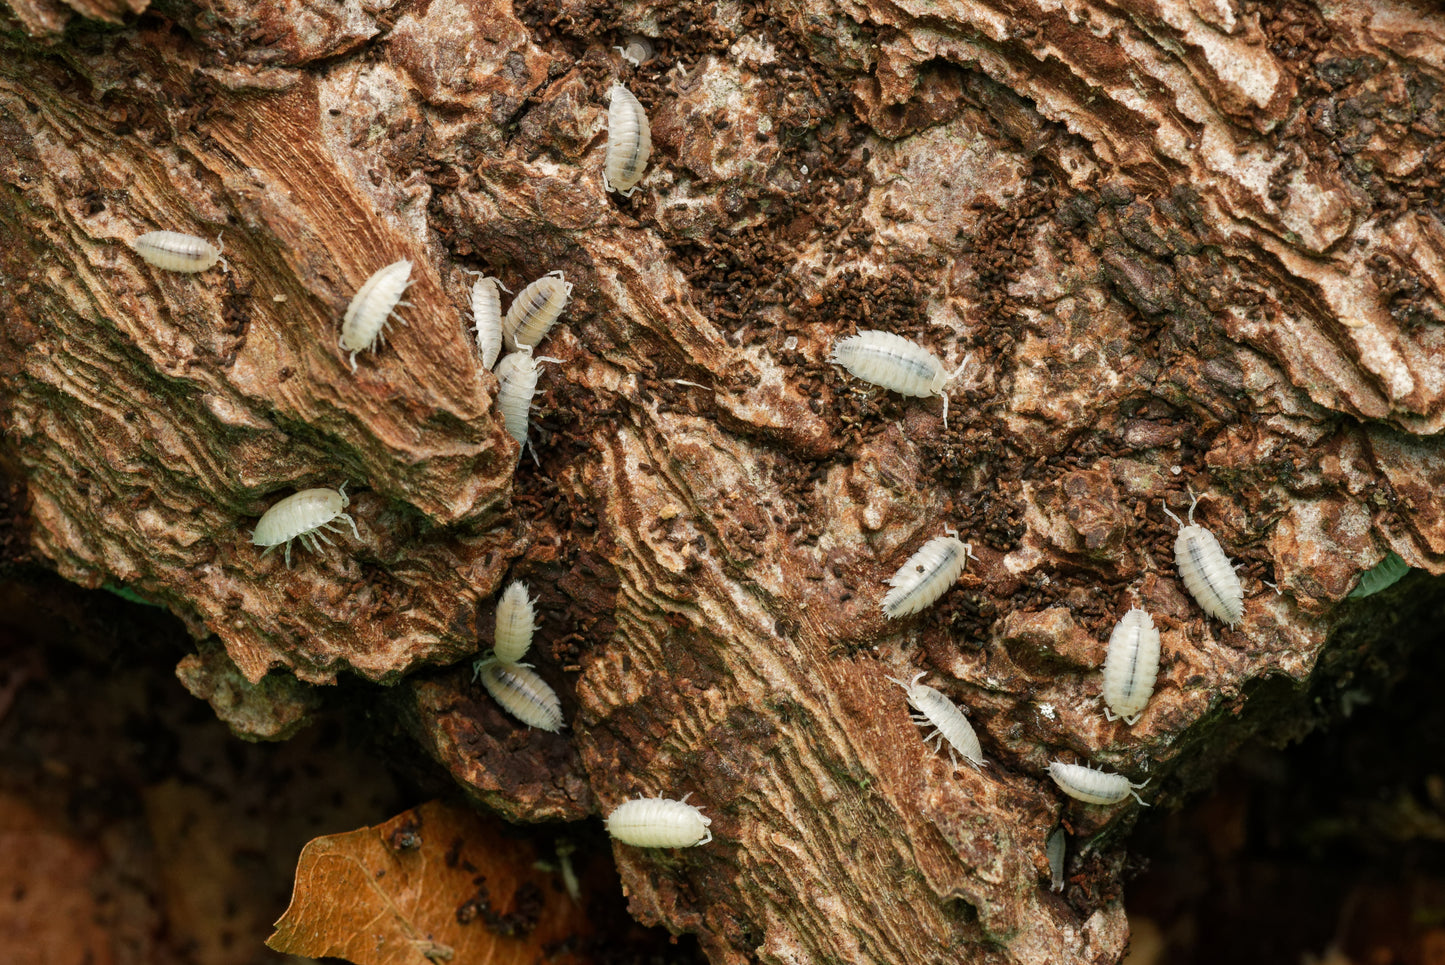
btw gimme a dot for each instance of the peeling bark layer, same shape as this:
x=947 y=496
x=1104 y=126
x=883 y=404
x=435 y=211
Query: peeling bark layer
x=1189 y=244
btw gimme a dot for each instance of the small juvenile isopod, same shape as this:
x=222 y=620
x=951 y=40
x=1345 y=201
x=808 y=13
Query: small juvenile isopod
x=896 y=363
x=1093 y=787
x=629 y=142
x=1206 y=571
x=372 y=307
x=657 y=822
x=517 y=382
x=947 y=721
x=1131 y=666
x=174 y=251
x=521 y=693
x=305 y=516
x=1054 y=849
x=926 y=576
x=636 y=50
x=516 y=620
x=487 y=317
x=535 y=310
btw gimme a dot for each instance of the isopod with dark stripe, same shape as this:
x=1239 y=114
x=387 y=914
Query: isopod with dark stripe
x=629 y=142
x=175 y=251
x=517 y=374
x=535 y=310
x=659 y=822
x=372 y=307
x=487 y=317
x=1131 y=666
x=926 y=576
x=937 y=711
x=897 y=364
x=516 y=621
x=1086 y=784
x=306 y=516
x=1206 y=571
x=520 y=692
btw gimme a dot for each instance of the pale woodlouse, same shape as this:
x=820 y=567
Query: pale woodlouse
x=1206 y=571
x=1091 y=786
x=1054 y=849
x=372 y=307
x=629 y=142
x=659 y=822
x=926 y=576
x=1381 y=576
x=306 y=516
x=948 y=723
x=516 y=620
x=1131 y=666
x=174 y=251
x=519 y=691
x=487 y=317
x=535 y=310
x=517 y=382
x=897 y=364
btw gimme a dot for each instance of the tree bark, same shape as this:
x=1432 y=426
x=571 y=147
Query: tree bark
x=1189 y=243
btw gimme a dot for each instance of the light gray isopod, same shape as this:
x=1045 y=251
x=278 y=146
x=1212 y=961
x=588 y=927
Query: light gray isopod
x=372 y=307
x=926 y=576
x=1206 y=571
x=305 y=516
x=517 y=380
x=174 y=251
x=1093 y=787
x=897 y=364
x=487 y=317
x=520 y=692
x=1382 y=576
x=535 y=310
x=658 y=822
x=1131 y=666
x=1054 y=848
x=516 y=620
x=948 y=723
x=636 y=50
x=629 y=142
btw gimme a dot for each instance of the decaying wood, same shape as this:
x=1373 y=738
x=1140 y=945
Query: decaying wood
x=1189 y=242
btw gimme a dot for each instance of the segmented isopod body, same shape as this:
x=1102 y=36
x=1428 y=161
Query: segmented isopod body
x=1206 y=571
x=636 y=50
x=947 y=721
x=487 y=318
x=521 y=693
x=1093 y=787
x=897 y=364
x=658 y=822
x=926 y=576
x=516 y=619
x=1054 y=848
x=1382 y=576
x=535 y=310
x=1131 y=666
x=372 y=307
x=306 y=516
x=629 y=142
x=517 y=380
x=174 y=251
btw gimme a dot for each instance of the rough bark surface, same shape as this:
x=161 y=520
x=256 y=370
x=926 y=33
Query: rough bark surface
x=1189 y=243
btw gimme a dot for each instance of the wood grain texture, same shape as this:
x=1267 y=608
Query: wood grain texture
x=1190 y=244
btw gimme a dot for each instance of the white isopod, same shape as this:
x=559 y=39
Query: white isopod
x=174 y=251
x=636 y=50
x=926 y=576
x=1206 y=571
x=947 y=721
x=487 y=317
x=516 y=619
x=517 y=382
x=896 y=363
x=372 y=307
x=629 y=142
x=1131 y=666
x=535 y=310
x=521 y=693
x=304 y=516
x=658 y=822
x=1093 y=787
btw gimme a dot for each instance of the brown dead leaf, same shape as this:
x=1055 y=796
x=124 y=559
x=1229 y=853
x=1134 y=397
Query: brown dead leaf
x=438 y=883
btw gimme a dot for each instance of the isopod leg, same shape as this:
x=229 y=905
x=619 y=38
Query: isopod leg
x=347 y=517
x=288 y=554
